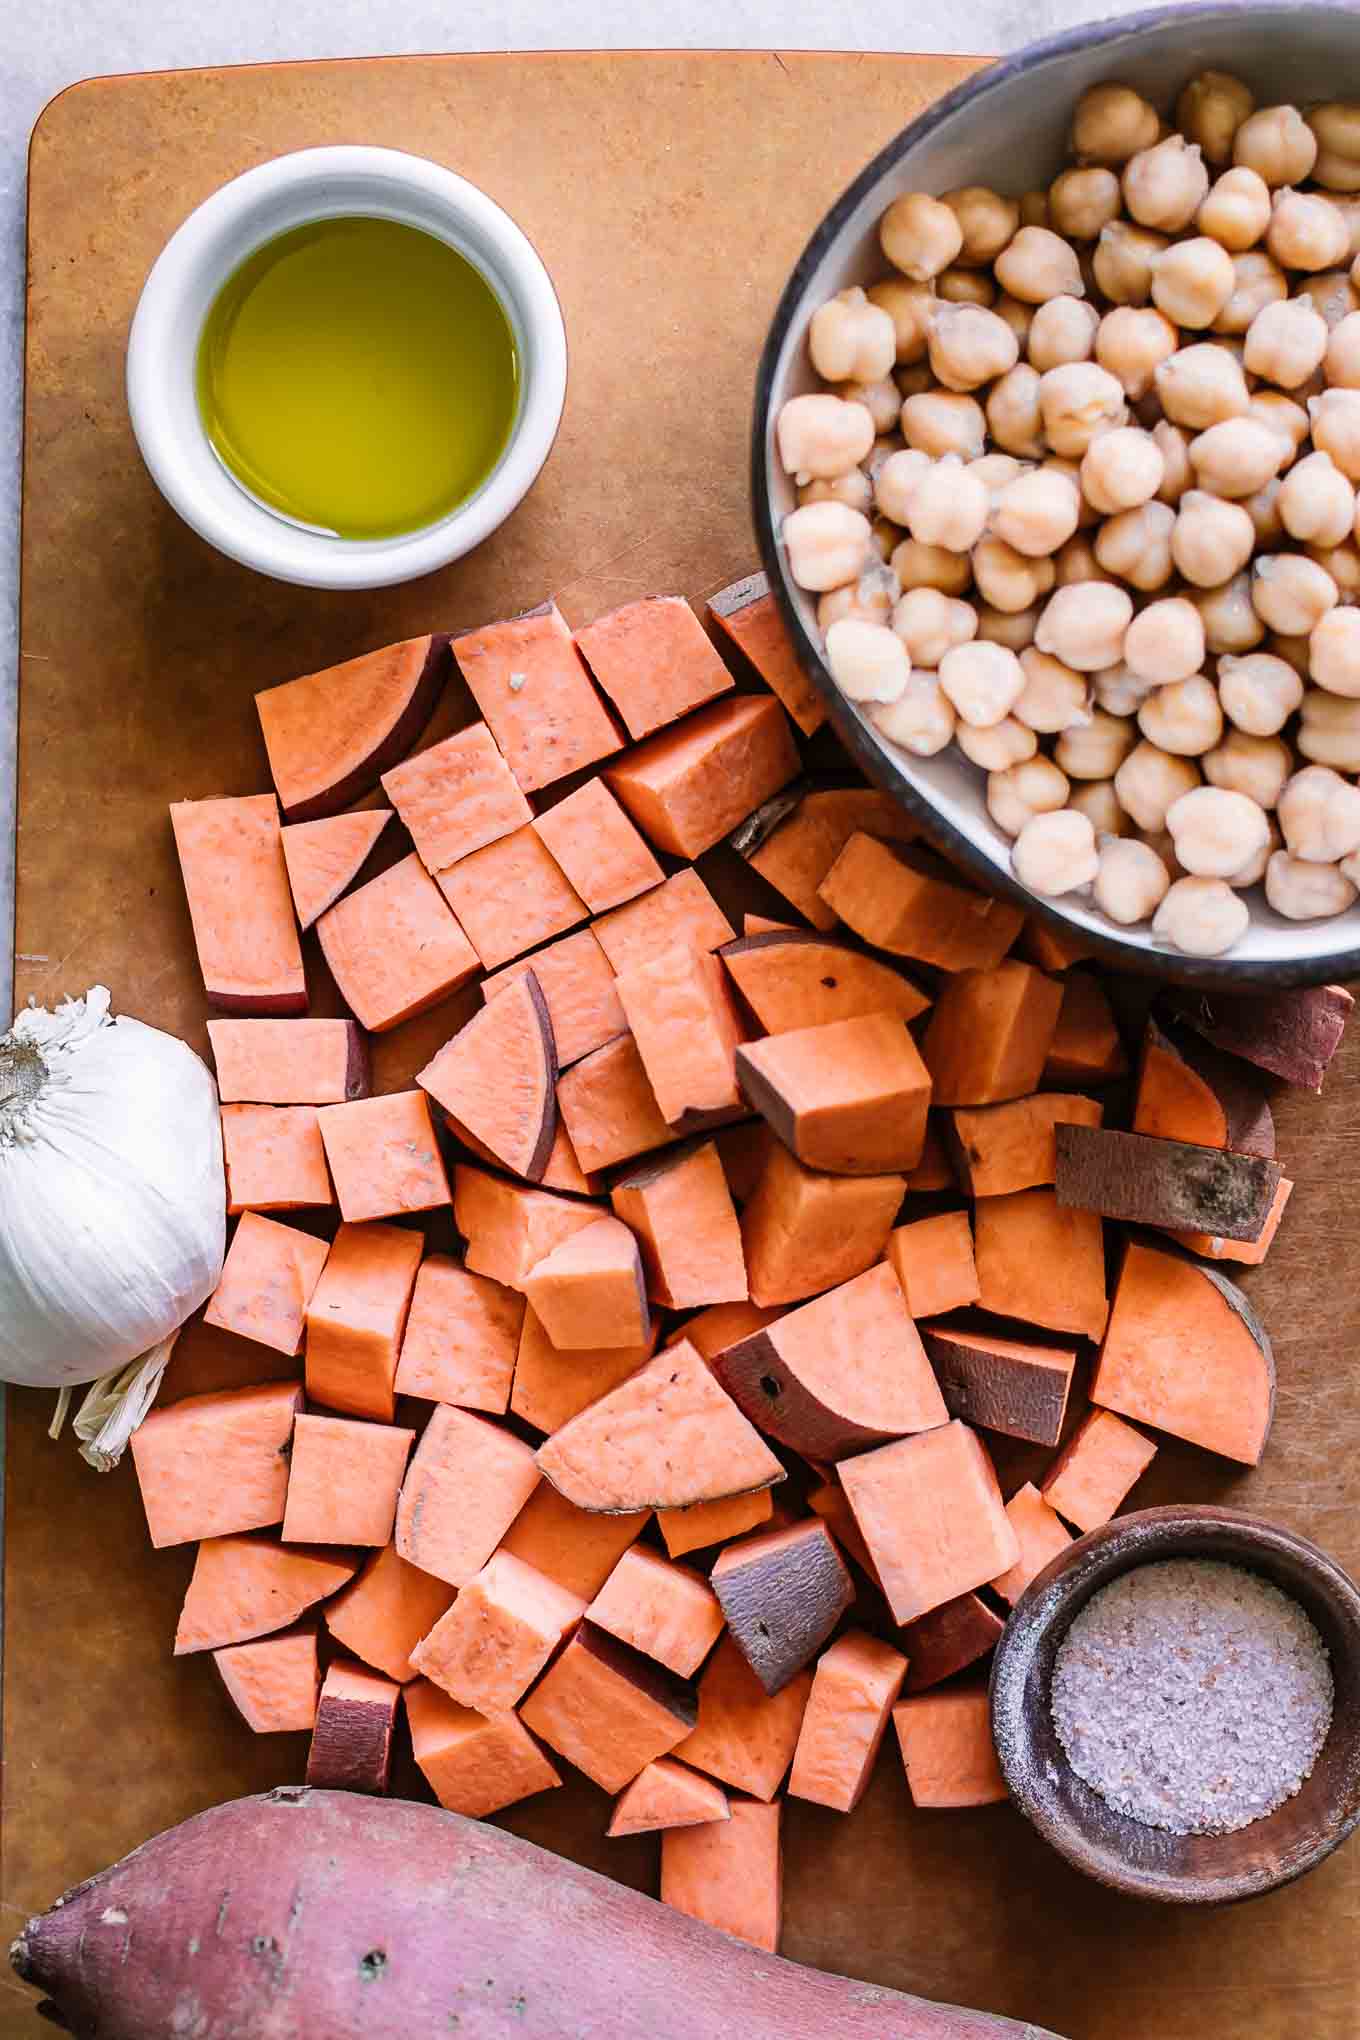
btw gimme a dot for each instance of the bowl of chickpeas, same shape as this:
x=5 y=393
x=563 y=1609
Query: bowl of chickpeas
x=1055 y=470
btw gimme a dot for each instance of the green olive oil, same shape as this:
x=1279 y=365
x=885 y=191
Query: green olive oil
x=358 y=376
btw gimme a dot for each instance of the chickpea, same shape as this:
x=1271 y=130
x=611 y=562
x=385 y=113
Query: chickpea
x=1342 y=562
x=970 y=346
x=994 y=470
x=1291 y=592
x=1216 y=831
x=1149 y=780
x=1258 y=281
x=1277 y=143
x=1123 y=262
x=931 y=624
x=918 y=565
x=1038 y=265
x=1017 y=316
x=868 y=663
x=1055 y=853
x=1307 y=892
x=1121 y=469
x=921 y=720
x=1255 y=766
x=1334 y=652
x=1163 y=186
x=1097 y=800
x=1062 y=330
x=1076 y=402
x=1348 y=205
x=1231 y=624
x=1306 y=231
x=1017 y=794
x=916 y=380
x=1201 y=917
x=1069 y=471
x=1293 y=650
x=1131 y=881
x=941 y=422
x=1076 y=561
x=1121 y=691
x=1112 y=123
x=851 y=340
x=1082 y=201
x=1282 y=415
x=828 y=544
x=1055 y=698
x=987 y=221
x=1096 y=748
x=896 y=481
x=1329 y=730
x=1193 y=281
x=1201 y=386
x=1331 y=294
x=1165 y=641
x=1319 y=813
x=1084 y=626
x=1335 y=421
x=1236 y=458
x=1136 y=545
x=966 y=287
x=1184 y=717
x=853 y=488
x=1336 y=126
x=1173 y=444
x=870 y=598
x=1034 y=208
x=908 y=305
x=882 y=400
x=1007 y=579
x=948 y=507
x=1210 y=110
x=1212 y=539
x=1259 y=692
x=820 y=437
x=1317 y=503
x=1131 y=341
x=1036 y=513
x=1013 y=414
x=1342 y=359
x=919 y=235
x=983 y=681
x=998 y=747
x=1286 y=342
x=1014 y=627
x=1254 y=870
x=1236 y=211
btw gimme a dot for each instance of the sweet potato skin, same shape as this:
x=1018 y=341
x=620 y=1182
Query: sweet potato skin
x=304 y=1912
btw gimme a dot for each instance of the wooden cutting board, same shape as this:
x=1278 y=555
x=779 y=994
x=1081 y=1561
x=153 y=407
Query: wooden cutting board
x=669 y=196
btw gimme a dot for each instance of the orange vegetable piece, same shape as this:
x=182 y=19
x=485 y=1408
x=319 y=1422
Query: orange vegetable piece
x=552 y=1385
x=1249 y=1253
x=491 y=1645
x=268 y=1279
x=1000 y=1148
x=666 y=1794
x=729 y=1873
x=906 y=902
x=343 y=1481
x=947 y=1748
x=689 y=786
x=705 y=1523
x=686 y=1030
x=532 y=686
x=1055 y=949
x=932 y=1517
x=721 y=1325
x=331 y=734
x=324 y=858
x=667 y=1611
x=1086 y=1048
x=682 y=1213
x=829 y=1502
x=1093 y=1473
x=205 y=1358
x=761 y=924
x=589 y=1292
x=572 y=1546
x=1041 y=1537
x=933 y=1171
x=215 y=1464
x=854 y=1686
x=351 y=1748
x=563 y=1171
x=231 y=860
x=497 y=1076
x=948 y=1640
x=384 y=1156
x=273 y=1684
x=383 y=1613
x=456 y=797
x=791 y=978
x=850 y=1097
x=509 y=1228
x=467 y=1482
x=1040 y=1262
x=609 y=1107
x=393 y=947
x=989 y=1034
x=682 y=912
x=744 y=1151
x=607 y=1709
x=932 y=1258
x=289 y=1062
x=248 y=1586
x=357 y=1316
x=744 y=1735
x=591 y=838
x=804 y=1231
x=747 y=616
x=1189 y=1091
x=576 y=979
x=1005 y=1385
x=274 y=1158
x=472 y=1765
x=510 y=896
x=461 y=1338
x=795 y=850
x=1186 y=1353
x=653 y=661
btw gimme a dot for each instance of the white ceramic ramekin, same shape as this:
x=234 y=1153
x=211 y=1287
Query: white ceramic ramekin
x=289 y=192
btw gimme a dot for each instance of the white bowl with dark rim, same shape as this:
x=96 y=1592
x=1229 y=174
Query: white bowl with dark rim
x=1007 y=127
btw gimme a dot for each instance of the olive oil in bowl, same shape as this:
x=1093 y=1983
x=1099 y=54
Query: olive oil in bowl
x=358 y=376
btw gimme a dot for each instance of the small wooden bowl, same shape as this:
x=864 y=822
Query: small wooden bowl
x=1125 y=1854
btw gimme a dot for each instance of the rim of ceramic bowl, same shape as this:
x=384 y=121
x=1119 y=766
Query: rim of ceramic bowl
x=1221 y=972
x=244 y=215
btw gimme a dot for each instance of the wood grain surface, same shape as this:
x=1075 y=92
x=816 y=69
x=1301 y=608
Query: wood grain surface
x=669 y=196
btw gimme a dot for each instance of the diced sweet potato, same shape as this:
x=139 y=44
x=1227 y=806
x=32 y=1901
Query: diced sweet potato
x=685 y=1027
x=393 y=947
x=357 y=1316
x=289 y=1062
x=1249 y=1253
x=1006 y=1385
x=795 y=841
x=467 y=1482
x=576 y=979
x=804 y=1231
x=932 y=1258
x=747 y=616
x=508 y=1228
x=576 y=1548
x=563 y=1171
x=1000 y=1148
x=854 y=1687
x=744 y=1150
x=705 y=1523
x=829 y=1502
x=1293 y=1034
x=728 y=1873
x=456 y=797
x=352 y=1740
x=934 y=1171
x=711 y=1331
x=530 y=683
x=473 y=1766
x=1086 y=1048
x=231 y=860
x=244 y=1587
x=461 y=1338
x=274 y=1158
x=682 y=911
x=324 y=858
x=666 y=1794
x=552 y=1385
x=783 y=1592
x=268 y=1279
x=274 y=1683
x=343 y=1480
x=382 y=1615
x=688 y=787
x=682 y=1213
x=589 y=1292
x=947 y=1748
x=214 y=1464
x=744 y=1735
x=510 y=896
x=1055 y=949
x=907 y=903
x=1041 y=1536
x=1041 y=1263
x=663 y=1439
x=761 y=924
x=989 y=1034
x=604 y=857
x=330 y=735
x=667 y=1611
x=793 y=978
x=1186 y=1353
x=609 y=1107
x=1093 y=1473
x=498 y=1077
x=850 y=1097
x=1189 y=1091
x=948 y=1640
x=932 y=1516
x=384 y=1156
x=609 y=1710
x=838 y=1374
x=1147 y=1181
x=653 y=661
x=491 y=1645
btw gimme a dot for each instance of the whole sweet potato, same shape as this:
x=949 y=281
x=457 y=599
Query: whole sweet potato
x=307 y=1915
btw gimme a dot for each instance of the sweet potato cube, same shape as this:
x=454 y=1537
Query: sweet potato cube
x=729 y=1873
x=330 y=734
x=343 y=1480
x=1055 y=949
x=352 y=1741
x=989 y=1034
x=1146 y=1181
x=932 y=1258
x=744 y=1735
x=682 y=1213
x=685 y=1025
x=607 y=1709
x=491 y=1645
x=653 y=661
x=1093 y=1473
x=667 y=1611
x=666 y=1794
x=552 y=1384
x=947 y=1748
x=461 y=1338
x=932 y=1516
x=530 y=683
x=1250 y=1253
x=1000 y=1148
x=934 y=1171
x=854 y=1687
x=510 y=896
x=324 y=858
x=838 y=1374
x=681 y=912
x=1002 y=1384
x=1186 y=1353
x=850 y=1097
x=666 y=1437
x=705 y=1523
x=589 y=1292
x=687 y=787
x=1041 y=1537
x=456 y=797
x=268 y=1278
x=214 y=1464
x=907 y=903
x=244 y=1587
x=467 y=1482
x=791 y=978
x=830 y=1503
x=473 y=1766
x=591 y=838
x=274 y=1158
x=712 y=1331
x=563 y=1171
x=1189 y=1091
x=576 y=1548
x=609 y=1107
x=274 y=1683
x=1293 y=1034
x=289 y=1062
x=803 y=1231
x=498 y=1078
x=1086 y=1048
x=796 y=839
x=384 y=1156
x=357 y=1316
x=747 y=615
x=1041 y=1263
x=245 y=932
x=576 y=979
x=782 y=1592
x=509 y=1228
x=948 y=1639
x=394 y=948
x=383 y=1613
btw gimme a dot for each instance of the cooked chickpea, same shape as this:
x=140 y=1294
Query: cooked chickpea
x=1334 y=652
x=1018 y=793
x=918 y=565
x=1319 y=813
x=1348 y=205
x=931 y=624
x=1055 y=698
x=1335 y=421
x=1007 y=579
x=1254 y=870
x=870 y=598
x=1123 y=260
x=987 y=221
x=1055 y=853
x=1211 y=108
x=1256 y=766
x=1329 y=730
x=1013 y=627
x=1290 y=592
x=1293 y=650
x=1097 y=800
x=948 y=506
x=1131 y=881
x=1285 y=342
x=908 y=305
x=1259 y=692
x=1283 y=415
x=966 y=287
x=1264 y=511
x=1306 y=892
x=820 y=437
x=1173 y=444
x=1062 y=330
x=1317 y=503
x=1306 y=231
x=1082 y=201
x=1121 y=469
x=1193 y=281
x=868 y=662
x=970 y=346
x=1231 y=624
x=941 y=421
x=999 y=746
x=1184 y=718
x=896 y=481
x=1165 y=641
x=1201 y=386
x=1135 y=545
x=1149 y=780
x=1336 y=125
x=1236 y=458
x=1017 y=316
x=1277 y=143
x=1258 y=281
x=1216 y=831
x=1111 y=123
x=1201 y=917
x=1036 y=513
x=1236 y=210
x=851 y=340
x=921 y=720
x=994 y=470
x=882 y=400
x=1013 y=414
x=854 y=489
x=1165 y=185
x=828 y=544
x=1120 y=691
x=920 y=236
x=983 y=681
x=1076 y=561
x=1084 y=626
x=1331 y=294
x=1097 y=747
x=1342 y=562
x=1131 y=341
x=1038 y=265
x=1212 y=539
x=1342 y=359
x=1078 y=401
